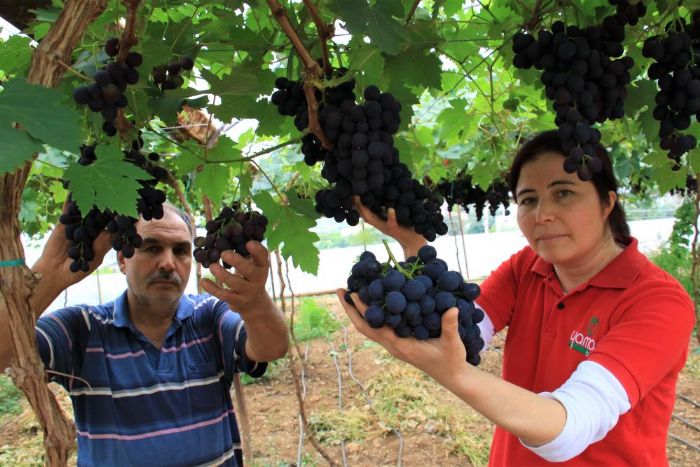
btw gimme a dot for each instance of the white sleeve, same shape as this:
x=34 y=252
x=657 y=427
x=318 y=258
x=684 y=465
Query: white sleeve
x=594 y=399
x=486 y=327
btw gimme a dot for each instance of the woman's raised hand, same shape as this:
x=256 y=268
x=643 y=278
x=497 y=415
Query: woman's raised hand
x=409 y=240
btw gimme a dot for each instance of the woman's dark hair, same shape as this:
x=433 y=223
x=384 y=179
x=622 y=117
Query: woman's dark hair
x=604 y=181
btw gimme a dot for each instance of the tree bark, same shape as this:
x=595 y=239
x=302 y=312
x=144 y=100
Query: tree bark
x=17 y=282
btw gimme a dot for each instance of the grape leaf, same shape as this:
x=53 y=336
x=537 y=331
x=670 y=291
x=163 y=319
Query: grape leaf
x=290 y=229
x=661 y=171
x=385 y=32
x=109 y=182
x=302 y=206
x=16 y=55
x=213 y=181
x=187 y=162
x=41 y=113
x=369 y=63
x=17 y=148
x=640 y=96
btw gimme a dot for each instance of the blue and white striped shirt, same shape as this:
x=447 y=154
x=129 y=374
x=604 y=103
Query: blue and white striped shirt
x=149 y=406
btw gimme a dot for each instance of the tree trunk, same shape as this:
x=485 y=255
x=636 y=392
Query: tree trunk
x=17 y=282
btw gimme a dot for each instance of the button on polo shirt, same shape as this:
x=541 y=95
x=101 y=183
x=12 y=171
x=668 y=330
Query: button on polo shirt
x=632 y=318
x=136 y=404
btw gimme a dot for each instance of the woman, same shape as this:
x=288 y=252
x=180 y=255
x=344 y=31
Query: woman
x=597 y=334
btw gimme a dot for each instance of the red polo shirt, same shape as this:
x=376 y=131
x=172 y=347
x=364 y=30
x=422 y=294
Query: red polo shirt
x=632 y=318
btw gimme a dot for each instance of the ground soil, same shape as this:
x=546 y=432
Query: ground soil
x=358 y=401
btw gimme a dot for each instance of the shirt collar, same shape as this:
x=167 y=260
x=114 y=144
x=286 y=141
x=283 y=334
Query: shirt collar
x=185 y=308
x=619 y=274
x=121 y=312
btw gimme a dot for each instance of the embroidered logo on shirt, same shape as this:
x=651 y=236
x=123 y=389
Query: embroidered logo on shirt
x=584 y=343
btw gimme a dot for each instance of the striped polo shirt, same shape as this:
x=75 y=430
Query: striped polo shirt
x=135 y=404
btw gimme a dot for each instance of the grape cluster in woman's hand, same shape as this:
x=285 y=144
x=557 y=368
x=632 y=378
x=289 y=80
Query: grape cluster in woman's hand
x=411 y=297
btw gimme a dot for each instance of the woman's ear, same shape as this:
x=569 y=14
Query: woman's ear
x=607 y=209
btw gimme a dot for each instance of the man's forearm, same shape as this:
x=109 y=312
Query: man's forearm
x=268 y=336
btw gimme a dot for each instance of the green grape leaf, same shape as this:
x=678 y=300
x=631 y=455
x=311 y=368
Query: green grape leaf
x=290 y=230
x=385 y=32
x=213 y=181
x=17 y=148
x=109 y=182
x=639 y=96
x=15 y=55
x=413 y=67
x=41 y=113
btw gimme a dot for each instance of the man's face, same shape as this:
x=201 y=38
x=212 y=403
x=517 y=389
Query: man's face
x=157 y=274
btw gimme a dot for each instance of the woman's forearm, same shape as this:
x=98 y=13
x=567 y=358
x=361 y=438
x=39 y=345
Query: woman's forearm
x=535 y=419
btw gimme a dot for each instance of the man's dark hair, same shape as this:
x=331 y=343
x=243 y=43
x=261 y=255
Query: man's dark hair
x=604 y=181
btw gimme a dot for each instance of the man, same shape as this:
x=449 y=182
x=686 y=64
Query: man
x=150 y=373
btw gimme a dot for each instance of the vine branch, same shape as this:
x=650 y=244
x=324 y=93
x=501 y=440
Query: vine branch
x=17 y=283
x=127 y=40
x=325 y=33
x=295 y=376
x=414 y=7
x=312 y=72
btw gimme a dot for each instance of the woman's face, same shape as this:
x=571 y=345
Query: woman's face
x=561 y=216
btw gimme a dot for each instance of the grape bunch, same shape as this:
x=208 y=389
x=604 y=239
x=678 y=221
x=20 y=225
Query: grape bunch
x=106 y=93
x=676 y=70
x=168 y=76
x=363 y=160
x=412 y=297
x=230 y=230
x=461 y=192
x=584 y=78
x=82 y=232
x=290 y=100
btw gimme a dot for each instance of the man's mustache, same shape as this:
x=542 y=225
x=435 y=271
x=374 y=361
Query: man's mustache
x=167 y=276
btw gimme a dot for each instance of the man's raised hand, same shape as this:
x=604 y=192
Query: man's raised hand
x=244 y=289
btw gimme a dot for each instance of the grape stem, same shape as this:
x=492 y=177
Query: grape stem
x=325 y=33
x=392 y=258
x=312 y=70
x=73 y=70
x=126 y=41
x=412 y=12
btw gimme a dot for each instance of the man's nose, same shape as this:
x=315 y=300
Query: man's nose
x=167 y=260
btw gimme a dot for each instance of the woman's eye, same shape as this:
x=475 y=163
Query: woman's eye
x=527 y=201
x=565 y=193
